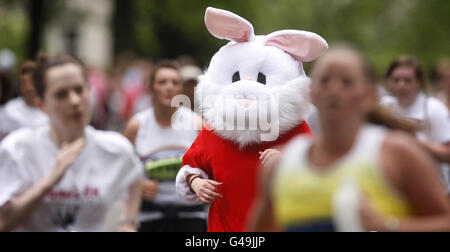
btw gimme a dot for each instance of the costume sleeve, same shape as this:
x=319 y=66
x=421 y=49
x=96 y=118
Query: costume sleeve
x=195 y=162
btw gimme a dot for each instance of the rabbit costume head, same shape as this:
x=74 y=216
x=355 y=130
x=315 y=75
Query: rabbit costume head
x=255 y=88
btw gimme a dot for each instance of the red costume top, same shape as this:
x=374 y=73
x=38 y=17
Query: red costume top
x=238 y=170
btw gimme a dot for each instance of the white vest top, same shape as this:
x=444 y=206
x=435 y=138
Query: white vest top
x=161 y=150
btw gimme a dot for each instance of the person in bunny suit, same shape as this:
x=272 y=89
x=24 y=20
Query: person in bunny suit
x=251 y=78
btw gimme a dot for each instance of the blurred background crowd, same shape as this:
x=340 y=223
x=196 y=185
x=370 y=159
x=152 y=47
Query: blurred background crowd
x=119 y=41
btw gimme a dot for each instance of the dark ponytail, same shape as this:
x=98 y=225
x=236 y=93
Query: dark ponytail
x=381 y=115
x=6 y=86
x=384 y=117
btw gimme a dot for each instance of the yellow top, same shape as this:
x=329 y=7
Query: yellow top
x=307 y=200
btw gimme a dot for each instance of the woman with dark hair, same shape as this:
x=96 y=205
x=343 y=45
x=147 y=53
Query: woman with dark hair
x=354 y=175
x=22 y=111
x=67 y=176
x=443 y=75
x=5 y=94
x=161 y=136
x=406 y=81
x=6 y=88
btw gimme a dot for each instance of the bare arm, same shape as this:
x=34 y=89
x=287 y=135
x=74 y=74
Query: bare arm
x=263 y=219
x=425 y=192
x=150 y=188
x=18 y=209
x=132 y=205
x=441 y=152
x=131 y=130
x=412 y=172
x=15 y=212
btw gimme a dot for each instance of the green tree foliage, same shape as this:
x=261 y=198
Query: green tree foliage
x=381 y=28
x=13 y=28
x=22 y=23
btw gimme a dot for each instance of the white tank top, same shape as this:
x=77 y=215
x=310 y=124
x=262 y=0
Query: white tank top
x=161 y=150
x=433 y=116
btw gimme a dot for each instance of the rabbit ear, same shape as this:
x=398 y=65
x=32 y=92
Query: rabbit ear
x=223 y=24
x=303 y=46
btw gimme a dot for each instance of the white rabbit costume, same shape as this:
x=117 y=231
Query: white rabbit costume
x=254 y=96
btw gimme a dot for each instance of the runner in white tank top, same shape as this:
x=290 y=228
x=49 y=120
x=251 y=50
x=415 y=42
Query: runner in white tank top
x=405 y=80
x=161 y=136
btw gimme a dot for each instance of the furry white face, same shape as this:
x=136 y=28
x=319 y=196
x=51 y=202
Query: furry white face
x=253 y=93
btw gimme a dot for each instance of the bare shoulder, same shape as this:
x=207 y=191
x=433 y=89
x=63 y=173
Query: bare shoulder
x=404 y=152
x=414 y=173
x=131 y=130
x=405 y=162
x=401 y=143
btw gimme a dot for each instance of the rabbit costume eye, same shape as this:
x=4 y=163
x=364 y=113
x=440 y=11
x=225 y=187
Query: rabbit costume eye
x=262 y=78
x=236 y=77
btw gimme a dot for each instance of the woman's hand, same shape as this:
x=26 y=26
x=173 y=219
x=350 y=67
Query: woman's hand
x=371 y=220
x=23 y=205
x=68 y=154
x=150 y=189
x=126 y=228
x=205 y=189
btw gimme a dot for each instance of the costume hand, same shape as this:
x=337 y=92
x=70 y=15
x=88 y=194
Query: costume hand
x=270 y=159
x=206 y=190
